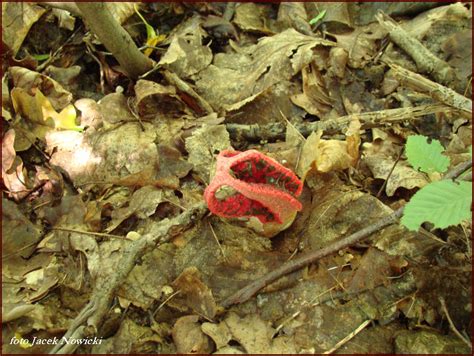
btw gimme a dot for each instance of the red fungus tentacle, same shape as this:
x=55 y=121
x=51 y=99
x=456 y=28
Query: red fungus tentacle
x=264 y=188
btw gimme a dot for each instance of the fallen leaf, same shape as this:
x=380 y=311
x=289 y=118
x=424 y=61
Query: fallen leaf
x=256 y=335
x=189 y=338
x=235 y=77
x=202 y=150
x=154 y=100
x=12 y=168
x=329 y=155
x=186 y=54
x=194 y=294
x=30 y=81
x=403 y=175
x=17 y=20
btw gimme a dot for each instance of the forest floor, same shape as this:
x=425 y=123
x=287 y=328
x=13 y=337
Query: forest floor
x=108 y=245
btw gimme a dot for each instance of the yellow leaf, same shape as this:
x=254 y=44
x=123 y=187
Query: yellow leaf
x=65 y=120
x=23 y=343
x=152 y=42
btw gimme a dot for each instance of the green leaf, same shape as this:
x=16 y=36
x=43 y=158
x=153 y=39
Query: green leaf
x=426 y=156
x=319 y=17
x=442 y=203
x=150 y=31
x=40 y=57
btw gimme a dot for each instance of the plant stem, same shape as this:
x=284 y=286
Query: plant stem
x=115 y=38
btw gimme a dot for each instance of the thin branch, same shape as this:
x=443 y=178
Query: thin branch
x=451 y=324
x=425 y=60
x=276 y=131
x=306 y=259
x=173 y=78
x=95 y=311
x=436 y=91
x=114 y=38
x=348 y=337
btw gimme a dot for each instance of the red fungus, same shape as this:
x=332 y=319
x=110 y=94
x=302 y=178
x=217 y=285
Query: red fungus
x=251 y=184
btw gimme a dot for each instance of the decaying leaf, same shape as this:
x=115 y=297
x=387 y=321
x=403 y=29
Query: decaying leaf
x=238 y=76
x=19 y=234
x=194 y=294
x=202 y=150
x=256 y=335
x=17 y=20
x=252 y=17
x=154 y=100
x=329 y=155
x=131 y=338
x=143 y=203
x=186 y=55
x=403 y=175
x=361 y=43
x=144 y=285
x=29 y=80
x=314 y=98
x=12 y=168
x=188 y=336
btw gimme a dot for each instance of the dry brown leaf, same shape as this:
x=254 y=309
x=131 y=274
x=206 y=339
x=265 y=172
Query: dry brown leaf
x=256 y=335
x=186 y=55
x=154 y=100
x=330 y=155
x=194 y=294
x=403 y=174
x=189 y=338
x=202 y=150
x=251 y=17
x=12 y=168
x=314 y=98
x=17 y=18
x=235 y=77
x=29 y=80
x=361 y=44
x=143 y=204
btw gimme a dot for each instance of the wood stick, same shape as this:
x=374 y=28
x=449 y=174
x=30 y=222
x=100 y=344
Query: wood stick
x=248 y=291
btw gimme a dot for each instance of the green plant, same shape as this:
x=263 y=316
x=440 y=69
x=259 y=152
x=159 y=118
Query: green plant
x=443 y=203
x=317 y=18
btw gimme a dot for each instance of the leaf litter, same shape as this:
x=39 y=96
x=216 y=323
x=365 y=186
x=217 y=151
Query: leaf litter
x=92 y=163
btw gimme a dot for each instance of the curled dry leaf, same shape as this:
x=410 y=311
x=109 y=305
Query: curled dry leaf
x=314 y=99
x=329 y=155
x=29 y=80
x=12 y=168
x=17 y=20
x=154 y=100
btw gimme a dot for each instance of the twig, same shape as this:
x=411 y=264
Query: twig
x=426 y=61
x=99 y=234
x=172 y=78
x=103 y=294
x=114 y=38
x=390 y=173
x=248 y=291
x=451 y=324
x=64 y=5
x=276 y=131
x=217 y=241
x=435 y=90
x=348 y=337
